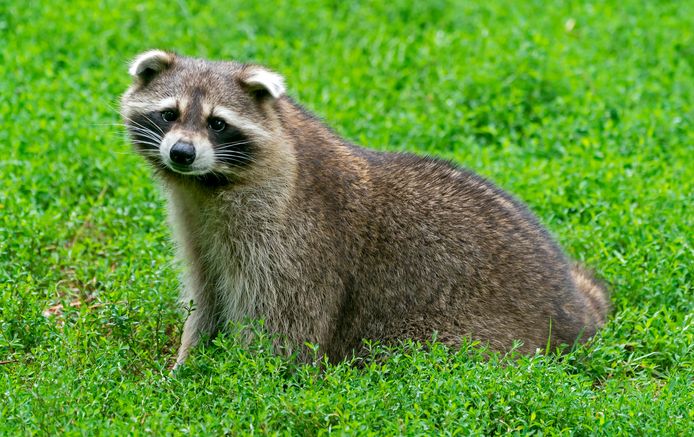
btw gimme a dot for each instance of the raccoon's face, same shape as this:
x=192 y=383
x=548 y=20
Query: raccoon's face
x=200 y=119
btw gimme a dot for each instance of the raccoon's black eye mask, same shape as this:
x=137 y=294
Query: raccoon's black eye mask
x=148 y=130
x=231 y=146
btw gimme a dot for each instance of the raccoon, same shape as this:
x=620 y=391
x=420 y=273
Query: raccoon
x=278 y=218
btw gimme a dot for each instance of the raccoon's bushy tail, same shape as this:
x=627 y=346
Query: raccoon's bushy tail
x=595 y=291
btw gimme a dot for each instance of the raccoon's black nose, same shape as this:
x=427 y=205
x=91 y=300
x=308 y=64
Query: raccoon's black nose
x=182 y=153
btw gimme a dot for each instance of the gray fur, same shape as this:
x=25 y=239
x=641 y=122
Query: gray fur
x=331 y=243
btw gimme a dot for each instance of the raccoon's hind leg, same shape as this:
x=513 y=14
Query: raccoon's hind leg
x=595 y=292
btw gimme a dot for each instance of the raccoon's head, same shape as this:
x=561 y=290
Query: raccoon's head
x=201 y=120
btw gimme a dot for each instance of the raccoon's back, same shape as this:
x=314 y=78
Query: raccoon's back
x=423 y=205
x=444 y=241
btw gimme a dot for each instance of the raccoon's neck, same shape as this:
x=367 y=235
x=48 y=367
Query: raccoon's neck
x=235 y=214
x=229 y=241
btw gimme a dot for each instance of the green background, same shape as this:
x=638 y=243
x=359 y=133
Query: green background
x=583 y=110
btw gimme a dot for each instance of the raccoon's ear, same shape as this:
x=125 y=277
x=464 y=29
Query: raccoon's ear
x=146 y=66
x=263 y=82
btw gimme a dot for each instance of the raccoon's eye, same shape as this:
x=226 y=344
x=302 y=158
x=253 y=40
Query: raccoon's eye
x=216 y=124
x=169 y=115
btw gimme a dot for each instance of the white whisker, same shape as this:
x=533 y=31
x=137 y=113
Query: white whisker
x=229 y=145
x=144 y=127
x=235 y=157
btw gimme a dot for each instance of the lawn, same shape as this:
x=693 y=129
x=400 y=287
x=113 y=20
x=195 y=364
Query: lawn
x=583 y=110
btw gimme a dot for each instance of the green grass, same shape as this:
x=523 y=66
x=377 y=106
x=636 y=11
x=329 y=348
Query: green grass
x=591 y=124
